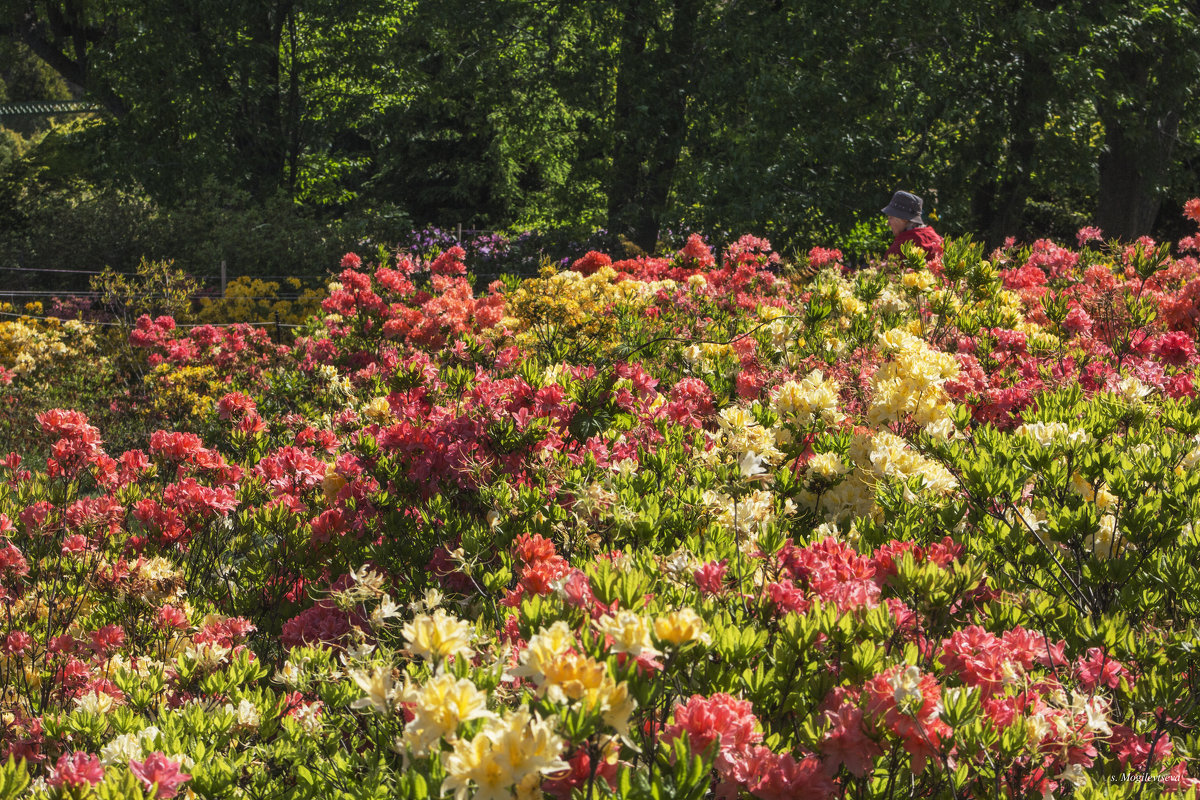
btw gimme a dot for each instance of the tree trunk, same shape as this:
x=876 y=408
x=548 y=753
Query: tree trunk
x=623 y=182
x=650 y=119
x=1133 y=165
x=260 y=136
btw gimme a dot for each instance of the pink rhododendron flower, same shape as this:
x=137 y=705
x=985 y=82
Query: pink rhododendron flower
x=171 y=617
x=235 y=403
x=726 y=720
x=1176 y=348
x=161 y=772
x=1191 y=209
x=710 y=577
x=1096 y=669
x=847 y=741
x=16 y=643
x=75 y=770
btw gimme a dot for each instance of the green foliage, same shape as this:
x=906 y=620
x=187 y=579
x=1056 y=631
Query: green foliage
x=278 y=134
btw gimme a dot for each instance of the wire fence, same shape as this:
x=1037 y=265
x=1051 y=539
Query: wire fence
x=108 y=324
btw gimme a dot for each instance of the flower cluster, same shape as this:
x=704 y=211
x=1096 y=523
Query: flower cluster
x=677 y=525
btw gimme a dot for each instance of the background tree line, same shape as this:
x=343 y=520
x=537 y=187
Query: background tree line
x=275 y=133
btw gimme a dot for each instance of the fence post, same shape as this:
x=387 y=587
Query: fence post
x=460 y=233
x=277 y=336
x=222 y=277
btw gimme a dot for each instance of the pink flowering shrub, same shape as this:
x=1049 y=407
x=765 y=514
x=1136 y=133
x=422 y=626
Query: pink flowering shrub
x=929 y=528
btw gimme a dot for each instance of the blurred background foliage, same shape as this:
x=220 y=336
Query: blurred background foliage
x=274 y=135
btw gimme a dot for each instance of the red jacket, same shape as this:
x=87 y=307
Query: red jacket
x=925 y=237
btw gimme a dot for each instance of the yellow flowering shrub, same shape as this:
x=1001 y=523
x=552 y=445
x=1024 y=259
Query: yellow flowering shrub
x=566 y=308
x=249 y=299
x=183 y=392
x=28 y=343
x=842 y=491
x=910 y=384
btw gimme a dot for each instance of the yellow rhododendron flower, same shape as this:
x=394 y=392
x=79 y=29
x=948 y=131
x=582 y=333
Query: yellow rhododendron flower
x=800 y=402
x=439 y=707
x=630 y=633
x=572 y=676
x=332 y=484
x=378 y=410
x=681 y=627
x=438 y=636
x=513 y=752
x=544 y=647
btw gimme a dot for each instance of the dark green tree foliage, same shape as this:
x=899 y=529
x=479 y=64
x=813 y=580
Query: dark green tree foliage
x=790 y=119
x=487 y=121
x=1146 y=58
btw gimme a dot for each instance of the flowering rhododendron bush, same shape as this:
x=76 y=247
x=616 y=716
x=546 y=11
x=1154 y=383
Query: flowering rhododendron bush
x=674 y=527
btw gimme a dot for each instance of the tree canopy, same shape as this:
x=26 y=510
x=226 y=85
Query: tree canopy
x=793 y=119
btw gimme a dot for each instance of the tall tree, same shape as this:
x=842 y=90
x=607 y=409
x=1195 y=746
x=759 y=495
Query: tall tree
x=658 y=48
x=1147 y=58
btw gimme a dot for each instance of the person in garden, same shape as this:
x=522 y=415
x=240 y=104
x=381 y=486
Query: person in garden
x=904 y=217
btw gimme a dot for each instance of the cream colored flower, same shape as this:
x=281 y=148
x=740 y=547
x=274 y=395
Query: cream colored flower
x=121 y=749
x=246 y=714
x=440 y=706
x=906 y=686
x=95 y=703
x=380 y=689
x=544 y=647
x=827 y=465
x=751 y=465
x=630 y=633
x=511 y=753
x=438 y=636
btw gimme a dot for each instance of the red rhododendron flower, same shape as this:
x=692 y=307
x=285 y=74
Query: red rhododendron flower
x=173 y=445
x=786 y=597
x=1097 y=668
x=450 y=262
x=1133 y=750
x=696 y=254
x=108 y=638
x=819 y=256
x=591 y=262
x=908 y=703
x=531 y=548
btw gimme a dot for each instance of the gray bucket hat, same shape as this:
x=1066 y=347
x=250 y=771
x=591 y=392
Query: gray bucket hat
x=905 y=206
